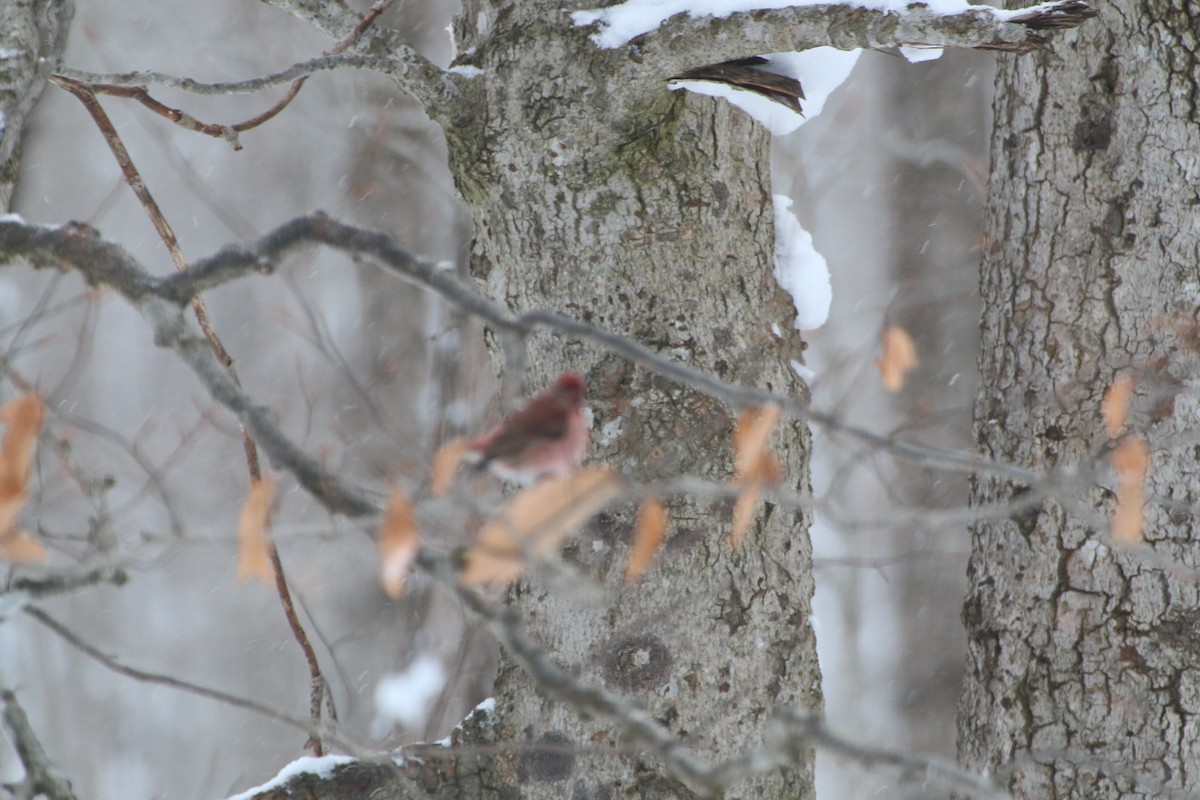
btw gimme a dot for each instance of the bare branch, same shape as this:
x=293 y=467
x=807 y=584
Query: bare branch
x=791 y=733
x=385 y=65
x=414 y=74
x=170 y=330
x=62 y=582
x=41 y=776
x=319 y=687
x=106 y=264
x=110 y=663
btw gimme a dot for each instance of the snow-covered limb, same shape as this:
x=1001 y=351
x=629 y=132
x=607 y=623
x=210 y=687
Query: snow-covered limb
x=675 y=36
x=322 y=768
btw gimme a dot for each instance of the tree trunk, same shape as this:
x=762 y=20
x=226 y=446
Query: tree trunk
x=647 y=213
x=1080 y=680
x=32 y=36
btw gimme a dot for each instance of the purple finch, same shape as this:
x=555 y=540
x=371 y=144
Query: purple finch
x=546 y=436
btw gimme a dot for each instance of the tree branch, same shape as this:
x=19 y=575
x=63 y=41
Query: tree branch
x=385 y=65
x=103 y=263
x=62 y=582
x=41 y=776
x=414 y=74
x=112 y=664
x=790 y=734
x=684 y=41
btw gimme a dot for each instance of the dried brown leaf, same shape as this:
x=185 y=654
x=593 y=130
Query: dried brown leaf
x=743 y=514
x=254 y=560
x=398 y=543
x=445 y=466
x=897 y=357
x=1131 y=462
x=751 y=441
x=1114 y=406
x=534 y=523
x=755 y=465
x=22 y=417
x=647 y=538
x=19 y=547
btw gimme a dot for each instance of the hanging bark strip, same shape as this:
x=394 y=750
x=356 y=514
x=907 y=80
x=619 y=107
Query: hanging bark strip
x=320 y=688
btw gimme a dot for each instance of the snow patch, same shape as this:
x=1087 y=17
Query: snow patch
x=321 y=767
x=776 y=118
x=799 y=269
x=819 y=70
x=407 y=697
x=467 y=71
x=915 y=54
x=805 y=373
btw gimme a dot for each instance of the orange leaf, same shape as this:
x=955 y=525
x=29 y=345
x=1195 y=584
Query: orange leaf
x=1131 y=462
x=445 y=465
x=23 y=418
x=1114 y=406
x=647 y=538
x=743 y=513
x=254 y=560
x=19 y=547
x=398 y=543
x=897 y=357
x=534 y=523
x=756 y=465
x=751 y=440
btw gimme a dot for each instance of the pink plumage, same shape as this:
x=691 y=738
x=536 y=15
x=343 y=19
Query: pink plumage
x=546 y=436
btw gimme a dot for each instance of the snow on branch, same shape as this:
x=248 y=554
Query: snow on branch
x=707 y=32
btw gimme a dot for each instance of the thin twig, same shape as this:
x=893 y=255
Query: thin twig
x=139 y=93
x=789 y=737
x=108 y=264
x=220 y=131
x=386 y=65
x=319 y=687
x=265 y=253
x=63 y=582
x=110 y=663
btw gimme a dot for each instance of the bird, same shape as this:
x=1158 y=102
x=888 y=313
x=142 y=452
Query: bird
x=545 y=437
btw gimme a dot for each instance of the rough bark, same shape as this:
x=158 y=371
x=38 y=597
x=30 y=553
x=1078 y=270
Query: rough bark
x=596 y=191
x=1080 y=681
